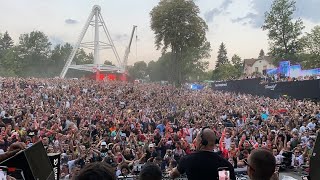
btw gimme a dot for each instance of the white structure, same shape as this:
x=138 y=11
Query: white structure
x=95 y=19
x=257 y=65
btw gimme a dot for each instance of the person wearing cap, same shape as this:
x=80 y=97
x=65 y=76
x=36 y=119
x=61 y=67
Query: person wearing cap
x=103 y=149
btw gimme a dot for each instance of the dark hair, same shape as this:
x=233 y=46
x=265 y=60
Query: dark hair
x=150 y=171
x=263 y=162
x=125 y=166
x=97 y=171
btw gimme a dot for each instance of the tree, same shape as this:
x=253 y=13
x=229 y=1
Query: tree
x=222 y=56
x=59 y=56
x=107 y=62
x=138 y=70
x=10 y=62
x=34 y=51
x=238 y=65
x=261 y=53
x=161 y=70
x=194 y=65
x=311 y=49
x=6 y=42
x=311 y=41
x=224 y=72
x=178 y=27
x=283 y=32
x=82 y=57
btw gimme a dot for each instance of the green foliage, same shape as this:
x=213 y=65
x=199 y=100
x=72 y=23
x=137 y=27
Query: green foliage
x=34 y=56
x=178 y=27
x=238 y=65
x=283 y=32
x=59 y=55
x=34 y=52
x=310 y=54
x=222 y=56
x=82 y=57
x=106 y=62
x=261 y=53
x=10 y=62
x=224 y=72
x=227 y=70
x=161 y=70
x=138 y=70
x=6 y=42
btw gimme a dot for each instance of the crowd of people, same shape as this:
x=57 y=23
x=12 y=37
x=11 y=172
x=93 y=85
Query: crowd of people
x=127 y=125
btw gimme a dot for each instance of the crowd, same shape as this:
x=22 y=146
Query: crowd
x=126 y=125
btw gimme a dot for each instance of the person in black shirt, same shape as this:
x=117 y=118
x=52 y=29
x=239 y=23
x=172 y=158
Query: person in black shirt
x=204 y=163
x=261 y=165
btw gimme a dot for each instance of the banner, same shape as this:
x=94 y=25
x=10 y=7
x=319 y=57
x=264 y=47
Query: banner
x=294 y=89
x=55 y=162
x=284 y=68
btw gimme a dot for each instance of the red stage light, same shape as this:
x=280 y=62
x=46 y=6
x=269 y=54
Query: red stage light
x=111 y=77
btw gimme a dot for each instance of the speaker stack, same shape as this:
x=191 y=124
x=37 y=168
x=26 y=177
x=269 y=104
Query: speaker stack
x=33 y=162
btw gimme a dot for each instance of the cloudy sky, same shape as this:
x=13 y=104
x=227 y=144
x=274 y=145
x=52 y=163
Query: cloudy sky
x=234 y=22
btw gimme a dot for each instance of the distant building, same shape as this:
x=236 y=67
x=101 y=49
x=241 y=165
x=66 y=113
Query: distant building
x=257 y=65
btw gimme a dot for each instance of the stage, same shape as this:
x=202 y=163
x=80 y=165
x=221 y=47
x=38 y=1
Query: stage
x=308 y=89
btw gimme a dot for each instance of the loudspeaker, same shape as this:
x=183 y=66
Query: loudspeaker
x=315 y=160
x=55 y=163
x=34 y=163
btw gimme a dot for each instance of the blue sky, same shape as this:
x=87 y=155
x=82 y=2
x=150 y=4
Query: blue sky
x=234 y=22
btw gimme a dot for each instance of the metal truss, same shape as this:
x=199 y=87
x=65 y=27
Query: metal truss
x=95 y=19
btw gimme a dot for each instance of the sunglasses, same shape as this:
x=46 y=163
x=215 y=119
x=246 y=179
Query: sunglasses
x=248 y=165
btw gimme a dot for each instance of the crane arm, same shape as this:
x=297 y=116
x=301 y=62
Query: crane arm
x=126 y=54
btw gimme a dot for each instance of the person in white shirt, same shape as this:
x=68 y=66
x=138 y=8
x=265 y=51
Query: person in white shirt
x=3 y=112
x=189 y=132
x=277 y=156
x=227 y=140
x=303 y=128
x=305 y=138
x=312 y=125
x=67 y=105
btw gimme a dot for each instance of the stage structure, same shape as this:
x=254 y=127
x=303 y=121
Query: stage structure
x=95 y=20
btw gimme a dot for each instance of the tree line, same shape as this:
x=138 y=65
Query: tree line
x=180 y=34
x=34 y=56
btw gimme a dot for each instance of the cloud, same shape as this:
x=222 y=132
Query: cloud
x=225 y=4
x=71 y=21
x=120 y=37
x=209 y=15
x=254 y=19
x=305 y=10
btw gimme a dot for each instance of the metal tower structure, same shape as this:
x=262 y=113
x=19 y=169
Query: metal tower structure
x=126 y=54
x=96 y=20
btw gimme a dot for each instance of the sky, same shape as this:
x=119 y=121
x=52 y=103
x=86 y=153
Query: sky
x=237 y=23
